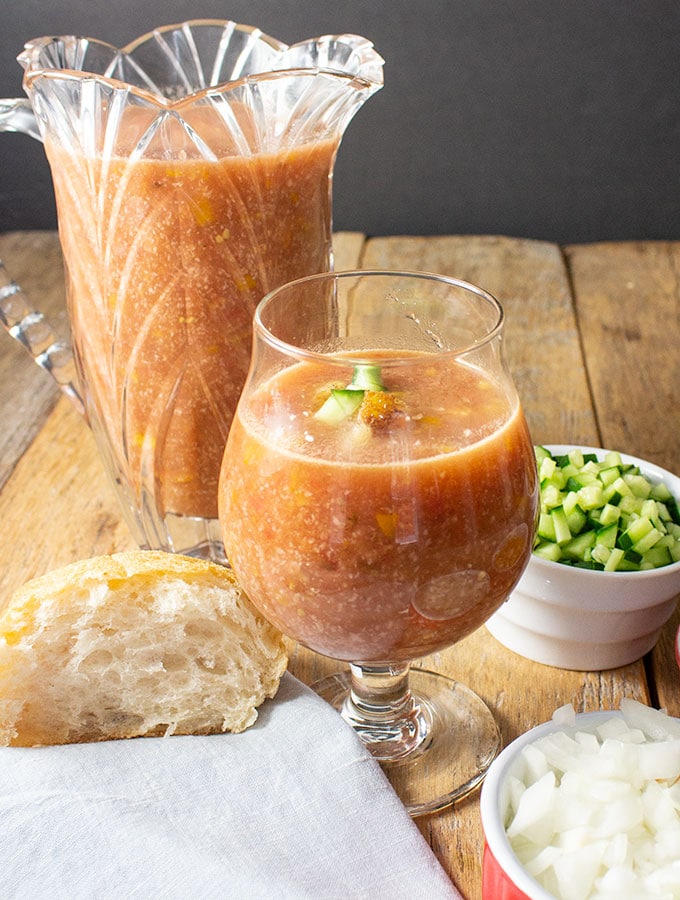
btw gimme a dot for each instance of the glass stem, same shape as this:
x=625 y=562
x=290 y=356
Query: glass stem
x=384 y=713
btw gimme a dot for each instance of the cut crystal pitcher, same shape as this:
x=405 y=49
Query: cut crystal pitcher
x=192 y=171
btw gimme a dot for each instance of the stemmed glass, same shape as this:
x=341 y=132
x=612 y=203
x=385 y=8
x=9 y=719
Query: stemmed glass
x=377 y=503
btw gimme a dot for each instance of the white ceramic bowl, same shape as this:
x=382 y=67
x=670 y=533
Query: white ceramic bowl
x=503 y=876
x=584 y=619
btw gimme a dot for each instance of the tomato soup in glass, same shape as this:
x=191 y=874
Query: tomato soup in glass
x=392 y=533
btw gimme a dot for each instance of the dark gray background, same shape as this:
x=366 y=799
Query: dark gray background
x=555 y=119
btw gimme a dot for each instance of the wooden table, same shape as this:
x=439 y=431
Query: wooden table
x=593 y=338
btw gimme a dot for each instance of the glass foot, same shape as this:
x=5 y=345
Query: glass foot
x=457 y=741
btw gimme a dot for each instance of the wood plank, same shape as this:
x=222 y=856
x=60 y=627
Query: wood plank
x=663 y=669
x=347 y=249
x=58 y=503
x=629 y=312
x=57 y=499
x=530 y=280
x=27 y=394
x=629 y=308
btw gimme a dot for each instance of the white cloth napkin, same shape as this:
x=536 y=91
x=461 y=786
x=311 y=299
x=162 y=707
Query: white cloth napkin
x=292 y=808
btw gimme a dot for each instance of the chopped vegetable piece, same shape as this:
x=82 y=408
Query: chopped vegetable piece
x=604 y=514
x=339 y=405
x=367 y=378
x=561 y=525
x=344 y=402
x=593 y=811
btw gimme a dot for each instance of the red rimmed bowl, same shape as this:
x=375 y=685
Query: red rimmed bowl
x=504 y=876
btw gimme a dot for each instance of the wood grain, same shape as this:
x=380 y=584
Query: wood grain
x=530 y=280
x=576 y=318
x=57 y=503
x=628 y=302
x=27 y=394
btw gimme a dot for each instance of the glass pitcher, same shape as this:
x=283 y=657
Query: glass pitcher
x=192 y=172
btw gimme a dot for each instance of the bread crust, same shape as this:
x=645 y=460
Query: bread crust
x=127 y=564
x=133 y=644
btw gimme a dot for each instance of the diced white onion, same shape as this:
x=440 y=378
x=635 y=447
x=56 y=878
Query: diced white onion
x=565 y=715
x=596 y=815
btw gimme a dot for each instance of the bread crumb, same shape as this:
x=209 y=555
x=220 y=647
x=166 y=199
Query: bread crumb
x=381 y=410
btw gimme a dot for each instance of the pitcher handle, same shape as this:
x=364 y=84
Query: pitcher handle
x=25 y=324
x=31 y=329
x=17 y=115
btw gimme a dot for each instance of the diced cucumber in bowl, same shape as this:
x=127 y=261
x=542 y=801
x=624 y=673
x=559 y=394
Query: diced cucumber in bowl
x=599 y=511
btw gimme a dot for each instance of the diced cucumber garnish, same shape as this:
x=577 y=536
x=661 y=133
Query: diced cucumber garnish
x=604 y=514
x=576 y=519
x=366 y=378
x=548 y=550
x=606 y=537
x=339 y=405
x=343 y=402
x=561 y=525
x=637 y=529
x=580 y=547
x=614 y=560
x=546 y=527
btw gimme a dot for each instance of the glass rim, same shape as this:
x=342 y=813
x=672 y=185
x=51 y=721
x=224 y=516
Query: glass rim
x=407 y=358
x=164 y=105
x=30 y=59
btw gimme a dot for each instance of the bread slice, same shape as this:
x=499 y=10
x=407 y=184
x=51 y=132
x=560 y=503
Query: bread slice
x=139 y=643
